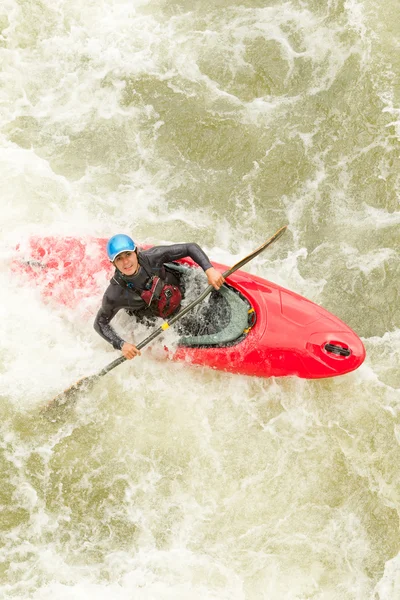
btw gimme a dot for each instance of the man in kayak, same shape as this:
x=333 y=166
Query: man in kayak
x=144 y=286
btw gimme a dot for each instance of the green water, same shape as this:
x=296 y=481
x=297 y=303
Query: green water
x=214 y=122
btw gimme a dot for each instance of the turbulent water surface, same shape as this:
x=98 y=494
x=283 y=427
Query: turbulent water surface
x=215 y=122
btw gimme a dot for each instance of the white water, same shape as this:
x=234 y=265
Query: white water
x=214 y=122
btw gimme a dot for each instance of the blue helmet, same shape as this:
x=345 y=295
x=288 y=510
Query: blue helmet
x=119 y=243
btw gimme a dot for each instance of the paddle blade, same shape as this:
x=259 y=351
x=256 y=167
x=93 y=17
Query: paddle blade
x=256 y=252
x=69 y=396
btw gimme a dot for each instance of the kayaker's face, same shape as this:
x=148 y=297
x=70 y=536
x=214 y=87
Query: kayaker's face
x=127 y=263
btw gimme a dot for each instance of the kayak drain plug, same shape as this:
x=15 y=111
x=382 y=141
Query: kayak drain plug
x=338 y=350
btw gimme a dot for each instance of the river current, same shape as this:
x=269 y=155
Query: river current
x=215 y=122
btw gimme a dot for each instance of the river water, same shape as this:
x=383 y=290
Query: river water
x=215 y=122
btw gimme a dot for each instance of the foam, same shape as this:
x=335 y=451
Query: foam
x=214 y=125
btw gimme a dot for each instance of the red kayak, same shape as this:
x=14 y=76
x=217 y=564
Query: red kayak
x=265 y=330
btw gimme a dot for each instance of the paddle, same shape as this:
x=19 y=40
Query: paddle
x=87 y=382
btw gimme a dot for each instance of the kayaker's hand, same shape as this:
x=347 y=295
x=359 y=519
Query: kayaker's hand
x=130 y=351
x=214 y=278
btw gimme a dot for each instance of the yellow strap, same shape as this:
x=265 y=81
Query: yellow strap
x=165 y=325
x=251 y=310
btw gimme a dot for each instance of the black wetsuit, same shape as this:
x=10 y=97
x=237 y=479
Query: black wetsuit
x=119 y=296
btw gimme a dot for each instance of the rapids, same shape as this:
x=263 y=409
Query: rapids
x=215 y=122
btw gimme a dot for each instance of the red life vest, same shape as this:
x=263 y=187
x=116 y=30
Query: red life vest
x=163 y=298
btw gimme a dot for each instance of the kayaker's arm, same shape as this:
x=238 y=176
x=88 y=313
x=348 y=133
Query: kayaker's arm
x=102 y=325
x=163 y=254
x=214 y=278
x=103 y=328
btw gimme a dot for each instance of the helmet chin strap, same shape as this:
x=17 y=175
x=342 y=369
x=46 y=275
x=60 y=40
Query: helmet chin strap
x=128 y=277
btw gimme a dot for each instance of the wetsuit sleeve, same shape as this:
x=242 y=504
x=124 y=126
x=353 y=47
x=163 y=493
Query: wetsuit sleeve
x=102 y=324
x=163 y=254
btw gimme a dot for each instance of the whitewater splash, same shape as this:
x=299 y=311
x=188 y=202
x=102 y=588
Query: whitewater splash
x=215 y=124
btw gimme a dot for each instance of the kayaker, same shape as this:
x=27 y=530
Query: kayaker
x=144 y=286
